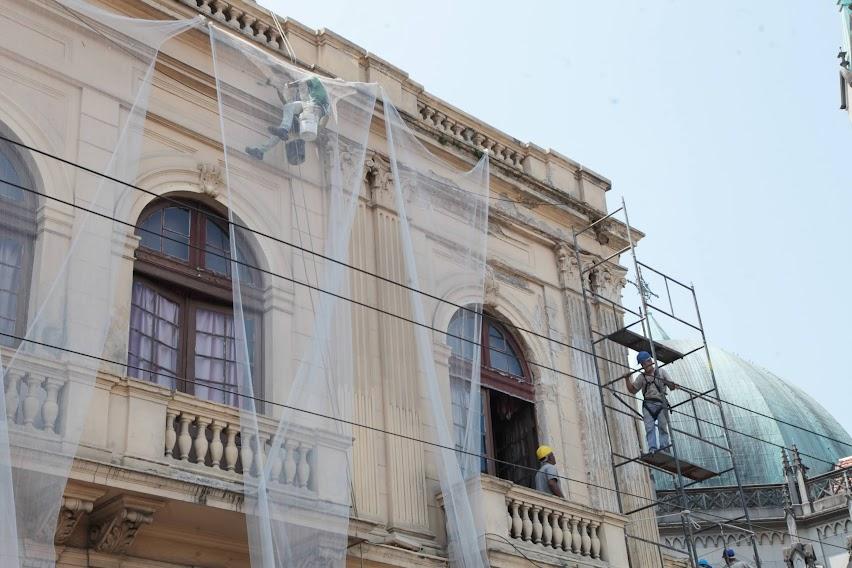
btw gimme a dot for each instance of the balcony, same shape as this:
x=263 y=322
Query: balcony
x=548 y=529
x=142 y=427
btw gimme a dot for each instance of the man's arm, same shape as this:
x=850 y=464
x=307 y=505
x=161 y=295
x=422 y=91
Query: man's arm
x=631 y=388
x=668 y=380
x=555 y=488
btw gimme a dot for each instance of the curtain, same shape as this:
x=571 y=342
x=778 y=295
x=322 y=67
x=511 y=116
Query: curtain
x=154 y=337
x=215 y=357
x=11 y=258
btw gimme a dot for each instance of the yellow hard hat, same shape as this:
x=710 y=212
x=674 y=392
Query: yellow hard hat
x=543 y=451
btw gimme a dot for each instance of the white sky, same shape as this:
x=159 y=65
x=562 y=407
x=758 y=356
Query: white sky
x=718 y=122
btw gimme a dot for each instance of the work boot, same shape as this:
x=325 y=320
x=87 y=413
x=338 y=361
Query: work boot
x=279 y=131
x=255 y=152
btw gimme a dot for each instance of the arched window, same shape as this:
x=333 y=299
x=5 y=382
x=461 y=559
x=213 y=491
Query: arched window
x=508 y=414
x=181 y=320
x=17 y=236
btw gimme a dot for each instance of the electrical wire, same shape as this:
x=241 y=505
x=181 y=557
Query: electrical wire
x=385 y=432
x=523 y=202
x=393 y=315
x=300 y=248
x=527 y=202
x=376 y=429
x=513 y=545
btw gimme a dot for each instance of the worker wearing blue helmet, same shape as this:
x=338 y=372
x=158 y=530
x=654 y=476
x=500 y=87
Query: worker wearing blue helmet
x=704 y=564
x=729 y=556
x=653 y=382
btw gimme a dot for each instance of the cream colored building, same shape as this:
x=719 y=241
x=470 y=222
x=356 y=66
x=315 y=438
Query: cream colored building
x=131 y=501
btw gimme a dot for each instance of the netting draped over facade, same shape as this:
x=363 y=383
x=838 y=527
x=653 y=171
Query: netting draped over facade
x=295 y=146
x=51 y=354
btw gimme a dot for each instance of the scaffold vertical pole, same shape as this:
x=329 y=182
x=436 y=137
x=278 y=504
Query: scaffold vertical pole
x=687 y=526
x=724 y=421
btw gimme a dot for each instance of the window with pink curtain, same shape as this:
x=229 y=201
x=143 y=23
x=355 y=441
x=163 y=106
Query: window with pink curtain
x=153 y=353
x=181 y=321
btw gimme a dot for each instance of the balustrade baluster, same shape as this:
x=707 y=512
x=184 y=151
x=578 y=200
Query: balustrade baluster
x=576 y=540
x=231 y=451
x=216 y=447
x=12 y=396
x=200 y=443
x=50 y=408
x=289 y=462
x=584 y=533
x=32 y=404
x=566 y=533
x=171 y=435
x=246 y=453
x=304 y=466
x=517 y=524
x=557 y=530
x=596 y=542
x=184 y=440
x=260 y=453
x=536 y=521
x=547 y=530
x=275 y=454
x=527 y=522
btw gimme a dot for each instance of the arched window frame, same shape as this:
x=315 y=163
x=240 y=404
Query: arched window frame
x=521 y=385
x=499 y=390
x=17 y=229
x=195 y=287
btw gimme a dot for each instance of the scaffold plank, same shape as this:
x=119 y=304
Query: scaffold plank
x=637 y=342
x=666 y=462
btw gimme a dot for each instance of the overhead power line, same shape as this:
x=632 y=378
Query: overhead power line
x=371 y=274
x=397 y=316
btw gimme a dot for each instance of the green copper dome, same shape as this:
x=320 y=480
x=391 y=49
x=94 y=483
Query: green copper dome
x=752 y=388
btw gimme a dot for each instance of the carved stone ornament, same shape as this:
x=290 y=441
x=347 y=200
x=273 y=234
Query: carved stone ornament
x=210 y=179
x=800 y=556
x=69 y=515
x=114 y=525
x=79 y=500
x=492 y=286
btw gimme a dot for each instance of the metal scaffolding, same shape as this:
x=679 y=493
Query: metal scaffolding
x=638 y=336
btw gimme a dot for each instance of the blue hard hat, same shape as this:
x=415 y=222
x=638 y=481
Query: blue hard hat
x=703 y=562
x=642 y=356
x=729 y=553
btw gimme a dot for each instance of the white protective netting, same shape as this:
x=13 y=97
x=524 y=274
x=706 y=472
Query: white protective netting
x=59 y=271
x=295 y=145
x=443 y=222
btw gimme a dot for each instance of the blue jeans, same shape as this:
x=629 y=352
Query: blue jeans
x=656 y=413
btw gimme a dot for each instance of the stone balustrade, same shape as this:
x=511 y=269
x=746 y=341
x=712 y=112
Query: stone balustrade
x=552 y=527
x=33 y=400
x=211 y=436
x=556 y=529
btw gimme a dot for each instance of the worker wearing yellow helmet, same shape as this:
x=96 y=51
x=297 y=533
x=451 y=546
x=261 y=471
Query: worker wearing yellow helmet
x=547 y=476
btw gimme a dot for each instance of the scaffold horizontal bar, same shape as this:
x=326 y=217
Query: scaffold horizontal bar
x=617 y=211
x=660 y=544
x=695 y=395
x=705 y=440
x=605 y=260
x=664 y=275
x=674 y=317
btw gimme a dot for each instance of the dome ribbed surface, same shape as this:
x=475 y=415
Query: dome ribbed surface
x=754 y=388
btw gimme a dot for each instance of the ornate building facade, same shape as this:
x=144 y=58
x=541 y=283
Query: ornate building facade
x=133 y=498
